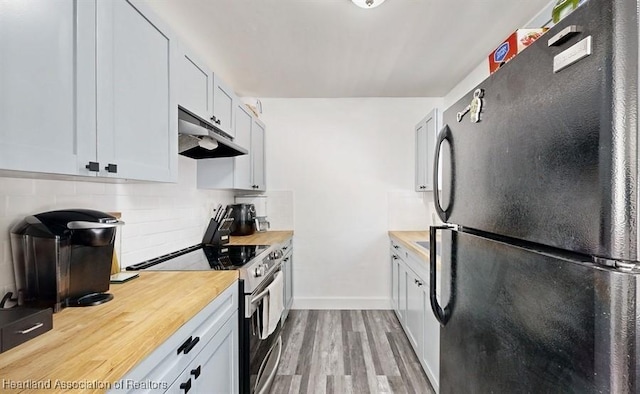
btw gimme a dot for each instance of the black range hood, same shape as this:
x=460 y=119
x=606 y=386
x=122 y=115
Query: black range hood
x=199 y=139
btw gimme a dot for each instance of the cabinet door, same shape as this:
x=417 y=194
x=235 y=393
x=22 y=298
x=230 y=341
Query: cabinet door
x=137 y=112
x=47 y=86
x=430 y=357
x=421 y=157
x=415 y=311
x=288 y=285
x=402 y=291
x=258 y=156
x=215 y=369
x=224 y=103
x=242 y=170
x=195 y=85
x=394 y=281
x=426 y=132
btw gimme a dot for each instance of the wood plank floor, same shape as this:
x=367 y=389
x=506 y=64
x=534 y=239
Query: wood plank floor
x=344 y=352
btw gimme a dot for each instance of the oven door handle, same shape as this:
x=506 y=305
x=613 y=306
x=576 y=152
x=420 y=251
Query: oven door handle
x=250 y=301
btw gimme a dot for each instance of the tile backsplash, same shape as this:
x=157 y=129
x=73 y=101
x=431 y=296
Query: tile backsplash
x=411 y=211
x=159 y=217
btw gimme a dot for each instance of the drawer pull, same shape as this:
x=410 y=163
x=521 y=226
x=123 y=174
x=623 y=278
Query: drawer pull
x=196 y=372
x=184 y=345
x=28 y=330
x=186 y=386
x=191 y=345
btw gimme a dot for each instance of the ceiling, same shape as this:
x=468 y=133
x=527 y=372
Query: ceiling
x=331 y=48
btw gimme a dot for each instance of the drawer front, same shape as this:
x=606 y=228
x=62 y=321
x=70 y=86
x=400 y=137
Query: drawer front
x=25 y=329
x=167 y=362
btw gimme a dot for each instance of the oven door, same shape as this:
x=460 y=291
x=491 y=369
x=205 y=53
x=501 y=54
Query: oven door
x=265 y=353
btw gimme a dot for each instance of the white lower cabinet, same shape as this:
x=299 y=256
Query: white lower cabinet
x=287 y=270
x=411 y=302
x=430 y=356
x=215 y=369
x=200 y=357
x=415 y=311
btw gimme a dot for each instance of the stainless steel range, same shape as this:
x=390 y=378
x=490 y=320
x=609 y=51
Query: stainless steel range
x=258 y=267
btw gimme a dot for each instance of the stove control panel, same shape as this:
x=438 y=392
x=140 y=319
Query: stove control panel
x=260 y=270
x=276 y=254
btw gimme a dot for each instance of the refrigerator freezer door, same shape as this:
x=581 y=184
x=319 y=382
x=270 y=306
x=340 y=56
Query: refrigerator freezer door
x=535 y=321
x=554 y=157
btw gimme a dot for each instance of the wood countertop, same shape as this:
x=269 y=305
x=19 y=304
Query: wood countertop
x=102 y=343
x=408 y=239
x=261 y=238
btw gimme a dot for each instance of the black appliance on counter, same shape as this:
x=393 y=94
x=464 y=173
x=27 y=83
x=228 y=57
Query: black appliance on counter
x=541 y=259
x=244 y=218
x=257 y=266
x=63 y=258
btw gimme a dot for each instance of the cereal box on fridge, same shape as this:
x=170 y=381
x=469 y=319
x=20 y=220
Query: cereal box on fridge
x=513 y=45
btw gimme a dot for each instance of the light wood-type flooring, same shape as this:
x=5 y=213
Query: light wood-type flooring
x=344 y=352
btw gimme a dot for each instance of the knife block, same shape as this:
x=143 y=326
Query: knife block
x=217 y=233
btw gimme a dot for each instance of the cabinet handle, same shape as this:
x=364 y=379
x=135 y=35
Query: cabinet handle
x=191 y=345
x=93 y=166
x=184 y=345
x=284 y=248
x=394 y=257
x=113 y=168
x=419 y=283
x=196 y=372
x=28 y=330
x=396 y=247
x=186 y=386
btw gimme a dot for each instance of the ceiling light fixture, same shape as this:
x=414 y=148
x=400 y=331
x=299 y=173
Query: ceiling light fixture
x=367 y=3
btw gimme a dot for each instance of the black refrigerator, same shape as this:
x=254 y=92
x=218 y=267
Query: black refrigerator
x=539 y=195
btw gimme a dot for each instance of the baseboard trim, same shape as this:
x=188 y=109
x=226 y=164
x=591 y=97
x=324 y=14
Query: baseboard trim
x=341 y=303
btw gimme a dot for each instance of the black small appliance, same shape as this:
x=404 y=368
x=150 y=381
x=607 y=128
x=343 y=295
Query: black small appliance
x=244 y=218
x=63 y=258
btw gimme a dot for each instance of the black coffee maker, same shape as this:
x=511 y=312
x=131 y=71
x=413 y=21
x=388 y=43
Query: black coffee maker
x=63 y=258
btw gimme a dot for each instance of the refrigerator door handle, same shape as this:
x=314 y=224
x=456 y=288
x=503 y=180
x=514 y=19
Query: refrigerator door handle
x=442 y=315
x=444 y=134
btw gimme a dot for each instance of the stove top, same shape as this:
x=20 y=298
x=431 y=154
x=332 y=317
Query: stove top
x=203 y=257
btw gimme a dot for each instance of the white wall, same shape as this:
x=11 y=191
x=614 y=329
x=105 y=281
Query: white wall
x=160 y=218
x=346 y=162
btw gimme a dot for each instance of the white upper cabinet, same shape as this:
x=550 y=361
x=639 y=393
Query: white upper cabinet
x=85 y=89
x=224 y=101
x=242 y=170
x=426 y=133
x=195 y=85
x=47 y=86
x=257 y=152
x=245 y=172
x=137 y=113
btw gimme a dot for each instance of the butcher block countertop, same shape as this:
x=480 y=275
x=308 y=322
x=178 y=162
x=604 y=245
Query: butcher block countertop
x=102 y=343
x=408 y=239
x=261 y=238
